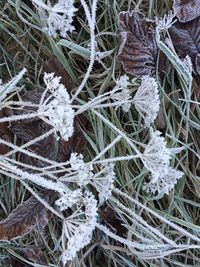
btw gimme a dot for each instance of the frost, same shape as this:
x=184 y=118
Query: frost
x=156 y=156
x=79 y=226
x=84 y=172
x=10 y=86
x=163 y=184
x=57 y=108
x=121 y=93
x=58 y=18
x=104 y=182
x=147 y=101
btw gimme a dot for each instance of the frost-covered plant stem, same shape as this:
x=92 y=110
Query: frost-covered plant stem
x=184 y=69
x=31 y=154
x=134 y=216
x=112 y=126
x=31 y=142
x=130 y=244
x=163 y=219
x=34 y=178
x=91 y=22
x=46 y=205
x=113 y=143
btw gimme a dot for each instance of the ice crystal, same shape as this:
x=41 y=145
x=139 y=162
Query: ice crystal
x=104 y=182
x=166 y=22
x=84 y=172
x=164 y=183
x=58 y=18
x=68 y=199
x=156 y=156
x=9 y=87
x=146 y=100
x=121 y=93
x=79 y=226
x=58 y=110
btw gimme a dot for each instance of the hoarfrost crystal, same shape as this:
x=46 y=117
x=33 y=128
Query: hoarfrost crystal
x=121 y=93
x=164 y=183
x=147 y=101
x=79 y=226
x=57 y=108
x=58 y=18
x=104 y=182
x=84 y=172
x=68 y=199
x=156 y=156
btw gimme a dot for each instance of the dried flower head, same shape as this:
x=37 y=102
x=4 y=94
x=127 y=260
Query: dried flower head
x=58 y=18
x=57 y=108
x=68 y=199
x=103 y=181
x=146 y=100
x=78 y=227
x=121 y=93
x=156 y=156
x=83 y=172
x=164 y=183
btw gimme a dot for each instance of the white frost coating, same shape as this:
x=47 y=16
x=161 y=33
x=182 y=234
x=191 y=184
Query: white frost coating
x=147 y=101
x=164 y=183
x=104 y=182
x=84 y=173
x=59 y=112
x=79 y=226
x=121 y=93
x=58 y=18
x=10 y=86
x=156 y=156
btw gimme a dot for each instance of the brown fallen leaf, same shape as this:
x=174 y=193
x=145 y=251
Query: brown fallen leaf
x=138 y=51
x=110 y=217
x=27 y=130
x=186 y=41
x=186 y=10
x=26 y=217
x=53 y=65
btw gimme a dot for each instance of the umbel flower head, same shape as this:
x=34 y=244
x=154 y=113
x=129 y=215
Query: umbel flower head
x=156 y=158
x=58 y=18
x=79 y=226
x=121 y=93
x=57 y=107
x=103 y=181
x=147 y=101
x=163 y=184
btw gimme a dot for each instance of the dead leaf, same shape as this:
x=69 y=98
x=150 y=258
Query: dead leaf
x=30 y=129
x=110 y=217
x=26 y=217
x=186 y=10
x=53 y=65
x=138 y=52
x=186 y=41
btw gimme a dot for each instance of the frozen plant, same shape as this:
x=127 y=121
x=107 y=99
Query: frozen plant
x=79 y=226
x=10 y=86
x=103 y=181
x=58 y=18
x=166 y=22
x=164 y=183
x=146 y=100
x=156 y=156
x=121 y=93
x=57 y=108
x=68 y=199
x=83 y=172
